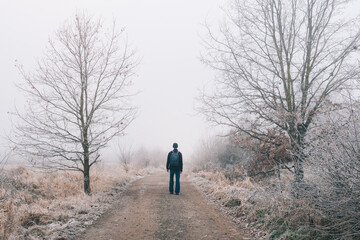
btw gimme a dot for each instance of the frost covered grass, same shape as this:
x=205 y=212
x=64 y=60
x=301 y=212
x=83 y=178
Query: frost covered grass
x=52 y=205
x=255 y=191
x=267 y=209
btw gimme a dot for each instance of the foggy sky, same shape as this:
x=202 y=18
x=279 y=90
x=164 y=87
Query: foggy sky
x=166 y=35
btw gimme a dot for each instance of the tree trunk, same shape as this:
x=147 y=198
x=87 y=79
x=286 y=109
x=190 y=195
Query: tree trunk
x=87 y=188
x=298 y=167
x=297 y=142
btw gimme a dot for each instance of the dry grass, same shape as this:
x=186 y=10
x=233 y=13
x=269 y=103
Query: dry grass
x=267 y=207
x=34 y=204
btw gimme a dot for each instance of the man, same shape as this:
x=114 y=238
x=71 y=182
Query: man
x=175 y=165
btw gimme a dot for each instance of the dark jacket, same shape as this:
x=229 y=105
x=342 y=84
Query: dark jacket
x=180 y=167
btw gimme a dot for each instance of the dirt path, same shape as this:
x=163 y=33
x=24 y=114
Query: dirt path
x=148 y=211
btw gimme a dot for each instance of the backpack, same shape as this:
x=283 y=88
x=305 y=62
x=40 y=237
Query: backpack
x=174 y=159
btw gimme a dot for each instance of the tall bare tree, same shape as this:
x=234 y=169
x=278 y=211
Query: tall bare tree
x=278 y=62
x=77 y=98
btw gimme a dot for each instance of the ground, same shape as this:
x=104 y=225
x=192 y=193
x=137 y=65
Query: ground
x=147 y=211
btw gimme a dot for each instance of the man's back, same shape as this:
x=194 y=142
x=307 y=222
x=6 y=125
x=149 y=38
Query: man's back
x=174 y=163
x=170 y=164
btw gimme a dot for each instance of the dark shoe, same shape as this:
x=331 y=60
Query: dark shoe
x=177 y=193
x=171 y=193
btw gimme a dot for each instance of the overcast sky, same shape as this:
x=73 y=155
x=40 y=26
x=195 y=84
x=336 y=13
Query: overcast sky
x=165 y=33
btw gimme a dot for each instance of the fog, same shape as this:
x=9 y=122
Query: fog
x=166 y=35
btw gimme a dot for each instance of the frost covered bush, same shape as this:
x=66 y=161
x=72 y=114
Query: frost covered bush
x=328 y=206
x=335 y=168
x=270 y=153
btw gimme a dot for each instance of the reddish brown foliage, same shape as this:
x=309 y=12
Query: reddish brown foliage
x=270 y=152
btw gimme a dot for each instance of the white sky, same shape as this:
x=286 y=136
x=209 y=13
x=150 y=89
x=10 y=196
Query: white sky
x=165 y=33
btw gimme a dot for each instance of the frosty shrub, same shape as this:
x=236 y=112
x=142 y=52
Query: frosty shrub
x=328 y=205
x=267 y=206
x=270 y=154
x=335 y=162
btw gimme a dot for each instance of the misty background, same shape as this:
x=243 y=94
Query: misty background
x=293 y=175
x=166 y=36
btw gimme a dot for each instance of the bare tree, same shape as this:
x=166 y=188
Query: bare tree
x=78 y=97
x=278 y=62
x=125 y=155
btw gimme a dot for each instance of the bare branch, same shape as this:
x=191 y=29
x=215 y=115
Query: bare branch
x=278 y=62
x=78 y=97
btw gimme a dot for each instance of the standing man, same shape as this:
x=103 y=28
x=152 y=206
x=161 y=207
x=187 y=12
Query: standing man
x=175 y=165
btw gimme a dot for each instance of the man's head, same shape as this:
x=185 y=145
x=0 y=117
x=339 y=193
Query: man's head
x=175 y=145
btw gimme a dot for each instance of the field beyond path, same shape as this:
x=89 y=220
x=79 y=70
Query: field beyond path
x=148 y=211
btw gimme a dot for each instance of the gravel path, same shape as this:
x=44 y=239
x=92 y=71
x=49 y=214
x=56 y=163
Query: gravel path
x=148 y=211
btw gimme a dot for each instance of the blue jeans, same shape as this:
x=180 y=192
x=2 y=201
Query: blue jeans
x=171 y=184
